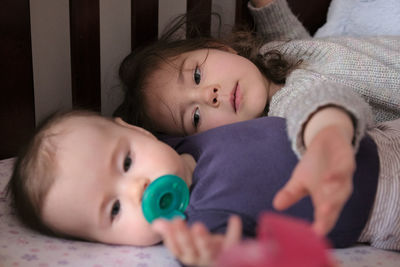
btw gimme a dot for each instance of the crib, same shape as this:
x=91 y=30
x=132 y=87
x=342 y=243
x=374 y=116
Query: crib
x=73 y=71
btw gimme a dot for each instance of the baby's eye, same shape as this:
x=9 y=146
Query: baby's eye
x=127 y=163
x=116 y=207
x=196 y=118
x=197 y=75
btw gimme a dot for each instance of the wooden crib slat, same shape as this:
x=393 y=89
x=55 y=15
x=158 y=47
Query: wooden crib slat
x=144 y=22
x=17 y=114
x=199 y=13
x=312 y=13
x=242 y=14
x=85 y=54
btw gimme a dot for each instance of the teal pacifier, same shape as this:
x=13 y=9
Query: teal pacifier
x=166 y=197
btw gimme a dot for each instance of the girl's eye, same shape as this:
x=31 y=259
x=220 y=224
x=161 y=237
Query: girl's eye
x=197 y=75
x=196 y=118
x=115 y=209
x=127 y=163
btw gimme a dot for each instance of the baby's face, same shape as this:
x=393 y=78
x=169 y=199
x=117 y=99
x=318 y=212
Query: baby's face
x=204 y=89
x=103 y=168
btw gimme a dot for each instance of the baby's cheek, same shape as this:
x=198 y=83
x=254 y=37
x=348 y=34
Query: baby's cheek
x=138 y=235
x=150 y=237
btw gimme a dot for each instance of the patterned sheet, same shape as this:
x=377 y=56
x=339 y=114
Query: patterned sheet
x=22 y=247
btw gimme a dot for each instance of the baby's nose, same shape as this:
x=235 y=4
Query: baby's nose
x=136 y=188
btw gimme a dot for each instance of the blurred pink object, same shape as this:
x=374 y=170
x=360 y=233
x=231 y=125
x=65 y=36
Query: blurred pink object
x=282 y=241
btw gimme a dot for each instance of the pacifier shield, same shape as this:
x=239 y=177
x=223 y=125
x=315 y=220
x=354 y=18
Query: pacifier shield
x=166 y=197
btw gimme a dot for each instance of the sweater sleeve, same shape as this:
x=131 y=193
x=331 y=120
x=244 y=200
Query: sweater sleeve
x=276 y=21
x=305 y=92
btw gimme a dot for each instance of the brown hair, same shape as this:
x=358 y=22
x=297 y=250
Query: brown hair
x=35 y=171
x=138 y=66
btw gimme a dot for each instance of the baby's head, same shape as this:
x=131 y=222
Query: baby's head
x=180 y=87
x=84 y=175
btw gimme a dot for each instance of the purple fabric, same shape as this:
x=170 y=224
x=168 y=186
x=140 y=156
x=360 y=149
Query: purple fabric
x=241 y=166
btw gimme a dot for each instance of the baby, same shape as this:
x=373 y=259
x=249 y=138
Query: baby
x=84 y=175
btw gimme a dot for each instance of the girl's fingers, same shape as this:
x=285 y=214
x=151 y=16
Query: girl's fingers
x=292 y=192
x=325 y=216
x=328 y=203
x=295 y=189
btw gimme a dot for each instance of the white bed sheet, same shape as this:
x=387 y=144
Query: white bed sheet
x=22 y=247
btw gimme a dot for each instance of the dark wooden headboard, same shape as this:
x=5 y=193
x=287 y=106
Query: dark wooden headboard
x=17 y=104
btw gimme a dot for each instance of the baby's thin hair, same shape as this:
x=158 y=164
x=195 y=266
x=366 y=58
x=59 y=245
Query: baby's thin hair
x=34 y=172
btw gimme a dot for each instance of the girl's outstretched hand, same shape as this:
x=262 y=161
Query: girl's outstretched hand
x=325 y=171
x=195 y=245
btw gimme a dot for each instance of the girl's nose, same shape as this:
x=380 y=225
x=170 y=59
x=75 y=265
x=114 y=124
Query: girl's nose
x=211 y=96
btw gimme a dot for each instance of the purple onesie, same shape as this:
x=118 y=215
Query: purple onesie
x=241 y=166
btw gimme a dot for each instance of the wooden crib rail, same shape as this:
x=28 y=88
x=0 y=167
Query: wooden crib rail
x=17 y=101
x=17 y=111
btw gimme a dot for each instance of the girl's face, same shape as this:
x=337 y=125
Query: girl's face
x=103 y=168
x=203 y=89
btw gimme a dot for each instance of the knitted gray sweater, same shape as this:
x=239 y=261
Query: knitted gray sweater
x=360 y=75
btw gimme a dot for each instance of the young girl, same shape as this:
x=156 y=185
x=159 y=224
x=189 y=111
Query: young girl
x=84 y=176
x=329 y=90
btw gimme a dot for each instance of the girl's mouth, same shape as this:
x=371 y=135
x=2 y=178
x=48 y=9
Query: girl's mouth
x=235 y=98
